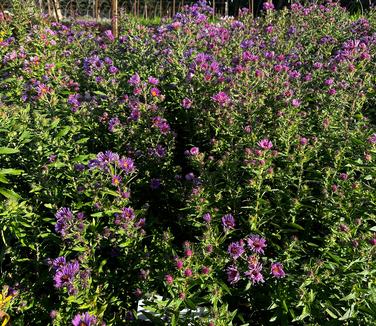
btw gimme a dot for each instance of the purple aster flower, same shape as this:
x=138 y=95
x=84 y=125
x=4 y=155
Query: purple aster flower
x=113 y=123
x=153 y=80
x=84 y=320
x=65 y=275
x=160 y=151
x=233 y=275
x=221 y=98
x=277 y=270
x=194 y=151
x=59 y=262
x=126 y=164
x=254 y=274
x=169 y=279
x=344 y=228
x=103 y=159
x=52 y=158
x=207 y=217
x=256 y=243
x=344 y=176
x=268 y=6
x=265 y=144
x=63 y=216
x=127 y=213
x=228 y=222
x=53 y=314
x=74 y=100
x=134 y=80
x=188 y=272
x=295 y=102
x=155 y=92
x=236 y=249
x=113 y=70
x=161 y=124
x=116 y=180
x=109 y=35
x=155 y=183
x=186 y=103
x=190 y=176
x=303 y=141
x=372 y=139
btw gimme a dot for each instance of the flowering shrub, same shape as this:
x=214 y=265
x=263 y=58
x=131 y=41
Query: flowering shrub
x=226 y=168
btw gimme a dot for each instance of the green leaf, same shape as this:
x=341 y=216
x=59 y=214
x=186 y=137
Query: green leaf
x=348 y=314
x=7 y=150
x=3 y=179
x=11 y=171
x=79 y=249
x=10 y=194
x=331 y=314
x=63 y=132
x=295 y=226
x=348 y=297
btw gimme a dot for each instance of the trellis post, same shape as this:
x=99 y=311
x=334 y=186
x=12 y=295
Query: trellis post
x=114 y=17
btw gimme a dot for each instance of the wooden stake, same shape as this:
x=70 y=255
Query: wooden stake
x=114 y=17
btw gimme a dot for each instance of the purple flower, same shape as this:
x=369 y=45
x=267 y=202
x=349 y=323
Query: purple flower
x=188 y=272
x=65 y=275
x=256 y=243
x=109 y=35
x=126 y=164
x=207 y=217
x=161 y=124
x=155 y=183
x=295 y=102
x=59 y=262
x=344 y=228
x=265 y=144
x=106 y=158
x=113 y=123
x=74 y=100
x=254 y=274
x=372 y=139
x=153 y=80
x=221 y=98
x=186 y=103
x=194 y=151
x=63 y=216
x=134 y=80
x=113 y=70
x=190 y=176
x=268 y=6
x=84 y=320
x=155 y=92
x=127 y=213
x=169 y=279
x=52 y=158
x=233 y=275
x=228 y=222
x=344 y=176
x=303 y=141
x=116 y=180
x=236 y=249
x=277 y=270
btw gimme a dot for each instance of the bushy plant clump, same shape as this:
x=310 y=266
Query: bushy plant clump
x=216 y=173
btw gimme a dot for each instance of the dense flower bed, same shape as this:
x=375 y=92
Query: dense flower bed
x=224 y=167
